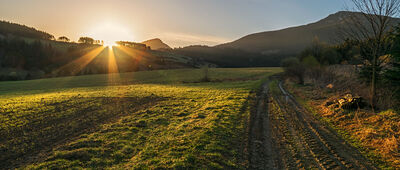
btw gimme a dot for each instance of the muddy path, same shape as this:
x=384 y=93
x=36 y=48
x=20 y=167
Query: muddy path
x=284 y=135
x=262 y=151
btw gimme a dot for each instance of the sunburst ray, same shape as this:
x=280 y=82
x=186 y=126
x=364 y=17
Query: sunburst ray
x=113 y=71
x=77 y=65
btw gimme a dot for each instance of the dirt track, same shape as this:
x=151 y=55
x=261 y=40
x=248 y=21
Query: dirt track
x=284 y=135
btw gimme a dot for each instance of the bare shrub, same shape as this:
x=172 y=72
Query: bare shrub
x=205 y=75
x=294 y=69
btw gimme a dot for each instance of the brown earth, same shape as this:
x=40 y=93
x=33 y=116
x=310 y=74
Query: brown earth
x=284 y=135
x=376 y=134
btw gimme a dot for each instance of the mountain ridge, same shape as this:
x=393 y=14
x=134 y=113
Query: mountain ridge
x=293 y=39
x=156 y=44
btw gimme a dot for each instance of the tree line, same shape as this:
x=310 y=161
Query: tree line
x=40 y=57
x=84 y=40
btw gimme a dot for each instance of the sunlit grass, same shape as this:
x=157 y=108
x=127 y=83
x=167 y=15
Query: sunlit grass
x=158 y=119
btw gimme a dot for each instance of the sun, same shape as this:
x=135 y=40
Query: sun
x=110 y=44
x=110 y=32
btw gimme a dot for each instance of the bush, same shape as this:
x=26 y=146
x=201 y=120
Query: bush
x=294 y=68
x=323 y=53
x=392 y=75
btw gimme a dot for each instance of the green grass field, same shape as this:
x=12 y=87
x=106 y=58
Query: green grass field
x=155 y=119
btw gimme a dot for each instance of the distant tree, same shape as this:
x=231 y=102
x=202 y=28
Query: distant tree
x=206 y=77
x=348 y=51
x=132 y=44
x=294 y=68
x=63 y=38
x=392 y=75
x=323 y=53
x=317 y=49
x=310 y=62
x=370 y=28
x=331 y=56
x=86 y=40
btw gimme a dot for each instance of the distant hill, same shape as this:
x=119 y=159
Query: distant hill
x=293 y=40
x=8 y=28
x=229 y=57
x=156 y=44
x=269 y=48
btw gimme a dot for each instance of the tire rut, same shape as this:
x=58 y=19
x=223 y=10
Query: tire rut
x=262 y=150
x=284 y=135
x=326 y=147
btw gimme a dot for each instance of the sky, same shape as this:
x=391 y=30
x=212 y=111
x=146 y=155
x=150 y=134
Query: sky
x=177 y=22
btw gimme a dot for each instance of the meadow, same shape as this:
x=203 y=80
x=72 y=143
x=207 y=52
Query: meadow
x=153 y=119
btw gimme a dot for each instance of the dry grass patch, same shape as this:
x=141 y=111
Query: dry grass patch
x=377 y=135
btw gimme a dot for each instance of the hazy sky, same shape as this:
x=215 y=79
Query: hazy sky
x=177 y=22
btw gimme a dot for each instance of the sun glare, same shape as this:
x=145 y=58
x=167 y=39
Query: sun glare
x=109 y=44
x=110 y=33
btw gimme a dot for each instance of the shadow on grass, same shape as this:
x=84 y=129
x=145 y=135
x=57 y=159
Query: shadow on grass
x=59 y=122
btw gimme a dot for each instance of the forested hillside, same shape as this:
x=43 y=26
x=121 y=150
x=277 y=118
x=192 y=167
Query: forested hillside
x=230 y=57
x=8 y=28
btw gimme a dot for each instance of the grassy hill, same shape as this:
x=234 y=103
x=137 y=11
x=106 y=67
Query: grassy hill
x=154 y=119
x=293 y=40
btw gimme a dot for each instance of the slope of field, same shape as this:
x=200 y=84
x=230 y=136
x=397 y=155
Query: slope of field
x=157 y=119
